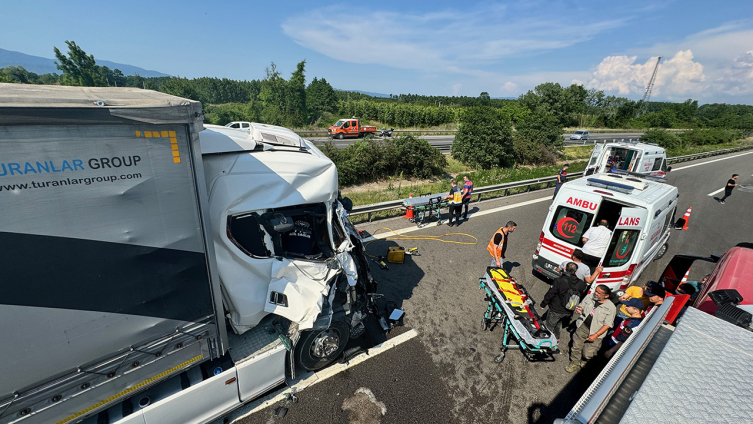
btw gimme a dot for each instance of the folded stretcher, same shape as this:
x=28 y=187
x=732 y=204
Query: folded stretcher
x=511 y=305
x=426 y=207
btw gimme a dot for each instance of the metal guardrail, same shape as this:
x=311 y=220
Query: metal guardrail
x=396 y=204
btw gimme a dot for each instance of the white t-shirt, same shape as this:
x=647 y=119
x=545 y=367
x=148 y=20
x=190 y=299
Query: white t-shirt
x=598 y=240
x=582 y=272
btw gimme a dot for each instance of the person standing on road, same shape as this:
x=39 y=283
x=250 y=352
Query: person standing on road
x=498 y=244
x=557 y=297
x=596 y=317
x=456 y=202
x=595 y=242
x=467 y=190
x=731 y=183
x=561 y=179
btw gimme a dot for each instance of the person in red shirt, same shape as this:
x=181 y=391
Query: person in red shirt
x=467 y=190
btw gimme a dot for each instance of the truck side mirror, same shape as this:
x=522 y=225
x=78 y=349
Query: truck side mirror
x=347 y=204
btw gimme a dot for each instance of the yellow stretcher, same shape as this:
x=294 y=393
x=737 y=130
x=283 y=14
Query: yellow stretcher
x=512 y=306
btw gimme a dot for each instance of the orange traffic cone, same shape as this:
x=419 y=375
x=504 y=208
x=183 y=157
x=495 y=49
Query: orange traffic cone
x=682 y=223
x=685 y=278
x=409 y=211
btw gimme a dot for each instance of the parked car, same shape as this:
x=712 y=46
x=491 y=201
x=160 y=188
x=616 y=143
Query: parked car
x=579 y=135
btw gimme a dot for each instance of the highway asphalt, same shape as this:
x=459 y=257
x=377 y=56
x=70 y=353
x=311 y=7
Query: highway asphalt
x=444 y=142
x=446 y=373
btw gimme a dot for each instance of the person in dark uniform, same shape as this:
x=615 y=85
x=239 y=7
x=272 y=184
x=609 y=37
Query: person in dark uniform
x=456 y=202
x=561 y=178
x=731 y=184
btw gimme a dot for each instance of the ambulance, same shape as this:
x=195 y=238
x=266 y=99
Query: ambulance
x=639 y=209
x=642 y=158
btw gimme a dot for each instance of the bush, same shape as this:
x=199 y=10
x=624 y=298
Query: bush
x=484 y=139
x=369 y=160
x=710 y=136
x=538 y=139
x=663 y=138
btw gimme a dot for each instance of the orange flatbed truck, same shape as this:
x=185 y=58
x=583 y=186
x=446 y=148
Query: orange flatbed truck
x=349 y=128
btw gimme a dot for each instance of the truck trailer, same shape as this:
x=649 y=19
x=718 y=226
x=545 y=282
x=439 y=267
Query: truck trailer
x=157 y=270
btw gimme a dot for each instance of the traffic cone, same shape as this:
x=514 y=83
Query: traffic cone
x=685 y=278
x=682 y=223
x=409 y=211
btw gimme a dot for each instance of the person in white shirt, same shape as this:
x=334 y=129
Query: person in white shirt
x=595 y=242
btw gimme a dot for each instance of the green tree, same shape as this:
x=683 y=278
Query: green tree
x=320 y=99
x=296 y=96
x=484 y=139
x=273 y=98
x=78 y=67
x=537 y=139
x=484 y=98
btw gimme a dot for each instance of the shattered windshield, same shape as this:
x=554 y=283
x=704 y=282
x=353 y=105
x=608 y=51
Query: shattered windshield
x=293 y=232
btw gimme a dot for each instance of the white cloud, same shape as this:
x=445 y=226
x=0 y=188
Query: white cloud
x=456 y=89
x=508 y=87
x=456 y=41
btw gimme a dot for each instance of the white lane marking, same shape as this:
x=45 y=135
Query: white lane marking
x=310 y=379
x=711 y=161
x=481 y=213
x=718 y=191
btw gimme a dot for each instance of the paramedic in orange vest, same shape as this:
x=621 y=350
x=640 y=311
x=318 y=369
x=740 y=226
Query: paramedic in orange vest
x=498 y=243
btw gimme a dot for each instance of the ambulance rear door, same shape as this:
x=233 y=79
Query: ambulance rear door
x=620 y=258
x=595 y=161
x=573 y=216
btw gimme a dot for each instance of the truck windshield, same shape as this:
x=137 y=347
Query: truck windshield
x=338 y=123
x=621 y=247
x=569 y=224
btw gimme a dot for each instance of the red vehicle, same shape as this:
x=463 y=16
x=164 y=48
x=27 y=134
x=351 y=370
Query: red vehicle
x=349 y=128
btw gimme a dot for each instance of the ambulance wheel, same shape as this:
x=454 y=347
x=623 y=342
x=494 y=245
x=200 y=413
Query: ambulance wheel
x=661 y=252
x=319 y=348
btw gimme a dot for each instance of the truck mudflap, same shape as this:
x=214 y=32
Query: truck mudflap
x=595 y=399
x=97 y=386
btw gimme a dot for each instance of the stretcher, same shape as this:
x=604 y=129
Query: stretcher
x=425 y=208
x=510 y=305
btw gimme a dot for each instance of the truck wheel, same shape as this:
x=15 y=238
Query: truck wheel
x=341 y=136
x=319 y=348
x=360 y=135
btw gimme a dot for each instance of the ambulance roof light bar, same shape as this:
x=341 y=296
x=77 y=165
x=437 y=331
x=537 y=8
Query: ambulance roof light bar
x=610 y=185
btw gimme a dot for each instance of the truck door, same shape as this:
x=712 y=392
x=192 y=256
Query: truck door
x=354 y=127
x=593 y=164
x=620 y=259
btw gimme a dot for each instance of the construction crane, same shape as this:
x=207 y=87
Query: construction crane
x=650 y=85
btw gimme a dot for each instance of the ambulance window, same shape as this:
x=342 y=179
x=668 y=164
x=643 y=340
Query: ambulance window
x=245 y=233
x=621 y=247
x=657 y=164
x=667 y=220
x=570 y=224
x=664 y=165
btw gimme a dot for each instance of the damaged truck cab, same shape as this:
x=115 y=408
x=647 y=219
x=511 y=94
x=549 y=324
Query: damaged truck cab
x=283 y=243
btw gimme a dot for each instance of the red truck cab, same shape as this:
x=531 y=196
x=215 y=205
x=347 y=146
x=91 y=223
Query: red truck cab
x=349 y=128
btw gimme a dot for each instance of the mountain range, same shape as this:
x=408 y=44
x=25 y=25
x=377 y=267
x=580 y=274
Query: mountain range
x=42 y=65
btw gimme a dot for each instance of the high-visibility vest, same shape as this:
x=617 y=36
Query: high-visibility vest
x=497 y=250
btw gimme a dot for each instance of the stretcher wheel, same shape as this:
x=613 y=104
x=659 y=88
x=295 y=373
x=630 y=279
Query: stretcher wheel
x=499 y=358
x=484 y=324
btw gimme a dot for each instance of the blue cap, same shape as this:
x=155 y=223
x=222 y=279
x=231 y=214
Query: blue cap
x=635 y=303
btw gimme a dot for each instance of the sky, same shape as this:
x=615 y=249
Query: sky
x=432 y=47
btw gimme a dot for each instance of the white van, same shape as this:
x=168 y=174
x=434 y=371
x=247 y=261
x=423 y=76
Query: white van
x=639 y=210
x=643 y=158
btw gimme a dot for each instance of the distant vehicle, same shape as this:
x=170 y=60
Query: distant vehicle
x=642 y=158
x=349 y=128
x=384 y=132
x=579 y=135
x=240 y=125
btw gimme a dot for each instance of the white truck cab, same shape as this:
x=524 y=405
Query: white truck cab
x=240 y=125
x=639 y=210
x=642 y=158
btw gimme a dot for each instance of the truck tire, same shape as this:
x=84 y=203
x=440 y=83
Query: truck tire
x=360 y=135
x=319 y=348
x=341 y=136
